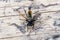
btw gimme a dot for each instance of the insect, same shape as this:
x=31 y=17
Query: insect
x=30 y=20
